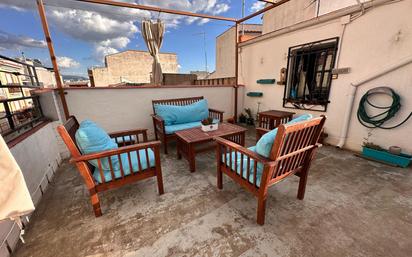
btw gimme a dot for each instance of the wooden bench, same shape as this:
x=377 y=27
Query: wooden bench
x=292 y=153
x=158 y=122
x=131 y=141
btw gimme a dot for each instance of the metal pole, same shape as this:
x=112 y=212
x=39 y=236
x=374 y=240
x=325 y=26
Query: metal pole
x=243 y=15
x=236 y=69
x=46 y=31
x=156 y=9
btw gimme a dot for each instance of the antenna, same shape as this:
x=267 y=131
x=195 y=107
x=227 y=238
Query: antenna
x=243 y=15
x=204 y=45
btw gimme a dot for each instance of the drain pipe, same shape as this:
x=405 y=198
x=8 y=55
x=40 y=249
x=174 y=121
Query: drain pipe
x=352 y=93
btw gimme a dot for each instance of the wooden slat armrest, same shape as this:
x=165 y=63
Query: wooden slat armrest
x=262 y=131
x=215 y=110
x=157 y=118
x=120 y=150
x=128 y=132
x=158 y=121
x=243 y=150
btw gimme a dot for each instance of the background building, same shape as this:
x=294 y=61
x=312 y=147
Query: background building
x=361 y=40
x=130 y=66
x=225 y=49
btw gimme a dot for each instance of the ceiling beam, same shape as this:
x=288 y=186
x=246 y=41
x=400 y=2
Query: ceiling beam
x=267 y=1
x=262 y=11
x=156 y=9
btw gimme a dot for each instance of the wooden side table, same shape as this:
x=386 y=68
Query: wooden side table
x=271 y=119
x=194 y=140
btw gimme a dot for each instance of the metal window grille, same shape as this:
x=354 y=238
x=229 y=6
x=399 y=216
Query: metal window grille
x=309 y=75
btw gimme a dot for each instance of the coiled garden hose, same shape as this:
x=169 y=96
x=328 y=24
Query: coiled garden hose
x=388 y=112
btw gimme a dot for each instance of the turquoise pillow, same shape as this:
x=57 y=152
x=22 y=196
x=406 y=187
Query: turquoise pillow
x=265 y=143
x=91 y=138
x=174 y=114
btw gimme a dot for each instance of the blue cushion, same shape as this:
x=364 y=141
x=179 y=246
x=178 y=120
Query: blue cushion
x=91 y=138
x=170 y=129
x=237 y=165
x=126 y=165
x=265 y=143
x=174 y=114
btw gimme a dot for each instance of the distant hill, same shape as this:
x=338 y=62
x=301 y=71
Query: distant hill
x=74 y=78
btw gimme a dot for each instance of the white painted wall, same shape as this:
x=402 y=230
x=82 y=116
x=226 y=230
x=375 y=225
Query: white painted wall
x=380 y=37
x=289 y=13
x=119 y=109
x=38 y=157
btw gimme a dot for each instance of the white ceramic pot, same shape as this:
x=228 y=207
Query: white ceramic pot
x=211 y=127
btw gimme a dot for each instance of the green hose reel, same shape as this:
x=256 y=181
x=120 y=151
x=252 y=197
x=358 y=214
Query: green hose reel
x=388 y=112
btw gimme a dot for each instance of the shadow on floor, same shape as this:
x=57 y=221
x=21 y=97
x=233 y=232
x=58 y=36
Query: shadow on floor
x=352 y=207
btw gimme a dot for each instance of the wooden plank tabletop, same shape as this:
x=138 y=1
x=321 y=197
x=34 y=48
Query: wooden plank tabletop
x=194 y=135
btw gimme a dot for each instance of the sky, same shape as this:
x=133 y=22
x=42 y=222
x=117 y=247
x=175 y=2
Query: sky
x=84 y=33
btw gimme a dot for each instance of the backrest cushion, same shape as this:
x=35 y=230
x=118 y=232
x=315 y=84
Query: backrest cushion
x=91 y=138
x=174 y=114
x=265 y=143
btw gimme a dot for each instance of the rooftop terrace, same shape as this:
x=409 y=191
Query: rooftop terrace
x=352 y=207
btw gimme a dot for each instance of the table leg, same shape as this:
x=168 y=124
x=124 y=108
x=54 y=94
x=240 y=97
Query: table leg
x=178 y=147
x=242 y=139
x=192 y=158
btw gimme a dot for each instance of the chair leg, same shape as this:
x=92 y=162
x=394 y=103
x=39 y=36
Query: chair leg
x=261 y=210
x=156 y=136
x=164 y=143
x=219 y=176
x=94 y=198
x=302 y=184
x=159 y=180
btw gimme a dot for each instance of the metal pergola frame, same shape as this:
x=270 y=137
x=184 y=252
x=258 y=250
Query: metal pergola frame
x=43 y=18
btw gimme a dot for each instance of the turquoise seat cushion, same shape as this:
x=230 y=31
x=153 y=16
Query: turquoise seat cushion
x=170 y=129
x=239 y=165
x=144 y=164
x=174 y=114
x=265 y=143
x=91 y=138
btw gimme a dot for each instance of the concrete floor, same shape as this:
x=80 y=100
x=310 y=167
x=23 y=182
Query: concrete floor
x=352 y=207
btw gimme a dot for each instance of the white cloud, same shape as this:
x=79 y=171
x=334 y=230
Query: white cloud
x=221 y=8
x=109 y=28
x=10 y=41
x=257 y=6
x=203 y=21
x=65 y=62
x=101 y=51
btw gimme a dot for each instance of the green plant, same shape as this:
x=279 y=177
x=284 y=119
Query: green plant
x=242 y=118
x=249 y=113
x=249 y=120
x=208 y=121
x=370 y=145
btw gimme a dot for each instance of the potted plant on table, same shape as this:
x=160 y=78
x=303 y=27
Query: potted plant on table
x=209 y=125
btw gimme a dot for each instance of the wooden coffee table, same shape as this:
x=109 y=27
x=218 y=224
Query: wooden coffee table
x=194 y=140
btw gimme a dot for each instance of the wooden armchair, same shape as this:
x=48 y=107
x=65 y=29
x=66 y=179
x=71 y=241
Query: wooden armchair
x=131 y=144
x=292 y=153
x=159 y=125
